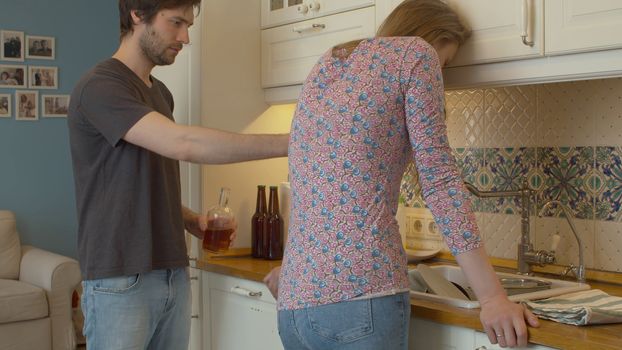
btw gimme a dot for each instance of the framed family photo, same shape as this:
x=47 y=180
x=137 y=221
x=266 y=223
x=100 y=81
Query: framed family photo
x=5 y=106
x=12 y=76
x=55 y=106
x=12 y=45
x=26 y=105
x=43 y=77
x=40 y=47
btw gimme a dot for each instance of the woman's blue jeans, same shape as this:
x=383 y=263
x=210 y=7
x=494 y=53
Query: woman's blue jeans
x=376 y=323
x=143 y=311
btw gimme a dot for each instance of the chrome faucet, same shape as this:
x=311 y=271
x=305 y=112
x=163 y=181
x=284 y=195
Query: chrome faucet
x=579 y=271
x=527 y=256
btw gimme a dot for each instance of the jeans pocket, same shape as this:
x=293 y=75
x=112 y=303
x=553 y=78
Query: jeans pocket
x=116 y=285
x=342 y=322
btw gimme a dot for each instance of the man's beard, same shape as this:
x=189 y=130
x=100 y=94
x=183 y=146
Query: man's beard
x=151 y=44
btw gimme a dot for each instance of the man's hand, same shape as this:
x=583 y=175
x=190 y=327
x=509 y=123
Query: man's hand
x=272 y=281
x=197 y=224
x=194 y=223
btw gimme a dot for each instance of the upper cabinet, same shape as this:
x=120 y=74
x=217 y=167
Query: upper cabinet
x=279 y=12
x=288 y=52
x=512 y=42
x=500 y=30
x=580 y=25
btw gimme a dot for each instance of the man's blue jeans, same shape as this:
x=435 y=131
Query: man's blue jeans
x=143 y=311
x=376 y=323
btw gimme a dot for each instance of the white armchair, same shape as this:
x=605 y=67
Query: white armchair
x=35 y=294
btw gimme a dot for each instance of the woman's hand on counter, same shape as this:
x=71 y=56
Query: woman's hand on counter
x=272 y=281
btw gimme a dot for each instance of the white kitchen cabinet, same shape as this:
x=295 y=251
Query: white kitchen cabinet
x=383 y=8
x=497 y=28
x=238 y=314
x=279 y=12
x=289 y=52
x=579 y=25
x=426 y=334
x=482 y=343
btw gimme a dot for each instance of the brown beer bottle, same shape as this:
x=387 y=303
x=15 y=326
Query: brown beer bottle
x=273 y=240
x=258 y=224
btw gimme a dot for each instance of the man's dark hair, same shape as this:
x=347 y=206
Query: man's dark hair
x=146 y=10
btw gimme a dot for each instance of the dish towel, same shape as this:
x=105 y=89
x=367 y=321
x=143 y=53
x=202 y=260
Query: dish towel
x=581 y=308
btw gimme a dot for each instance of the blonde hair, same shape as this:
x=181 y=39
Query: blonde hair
x=432 y=20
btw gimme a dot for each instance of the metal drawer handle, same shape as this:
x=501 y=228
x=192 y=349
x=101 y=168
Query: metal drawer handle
x=311 y=27
x=245 y=292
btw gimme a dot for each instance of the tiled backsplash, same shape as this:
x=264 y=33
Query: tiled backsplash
x=565 y=141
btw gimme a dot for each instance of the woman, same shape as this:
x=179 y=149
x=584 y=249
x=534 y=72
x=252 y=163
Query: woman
x=366 y=108
x=5 y=79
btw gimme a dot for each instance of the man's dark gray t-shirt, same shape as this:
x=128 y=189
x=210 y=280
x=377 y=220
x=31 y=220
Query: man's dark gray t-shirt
x=128 y=198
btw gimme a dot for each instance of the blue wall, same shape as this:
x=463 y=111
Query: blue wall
x=36 y=180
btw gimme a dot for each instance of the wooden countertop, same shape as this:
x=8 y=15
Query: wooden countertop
x=553 y=334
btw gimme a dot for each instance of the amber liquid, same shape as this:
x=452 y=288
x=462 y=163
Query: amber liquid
x=217 y=239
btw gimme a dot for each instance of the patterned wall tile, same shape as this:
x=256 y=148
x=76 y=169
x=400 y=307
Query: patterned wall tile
x=577 y=127
x=607 y=111
x=567 y=251
x=464 y=110
x=511 y=116
x=608 y=246
x=566 y=171
x=606 y=183
x=501 y=234
x=565 y=115
x=510 y=168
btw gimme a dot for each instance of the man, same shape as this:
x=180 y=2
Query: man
x=35 y=48
x=45 y=50
x=125 y=148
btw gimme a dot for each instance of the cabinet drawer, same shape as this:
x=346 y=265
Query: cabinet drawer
x=289 y=52
x=278 y=12
x=245 y=288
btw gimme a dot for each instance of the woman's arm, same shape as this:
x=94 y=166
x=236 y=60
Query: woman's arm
x=503 y=321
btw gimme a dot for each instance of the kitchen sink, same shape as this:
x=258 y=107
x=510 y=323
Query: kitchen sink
x=518 y=287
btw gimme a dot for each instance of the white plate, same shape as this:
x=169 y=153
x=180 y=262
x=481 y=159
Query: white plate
x=415 y=255
x=439 y=284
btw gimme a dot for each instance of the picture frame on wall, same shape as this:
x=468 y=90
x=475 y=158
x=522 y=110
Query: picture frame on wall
x=55 y=106
x=11 y=45
x=5 y=106
x=12 y=76
x=40 y=47
x=26 y=105
x=40 y=77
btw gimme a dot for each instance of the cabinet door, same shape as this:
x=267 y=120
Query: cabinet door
x=481 y=342
x=431 y=335
x=289 y=52
x=580 y=25
x=242 y=315
x=384 y=8
x=278 y=12
x=496 y=30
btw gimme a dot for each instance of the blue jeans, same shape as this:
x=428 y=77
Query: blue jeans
x=376 y=323
x=143 y=311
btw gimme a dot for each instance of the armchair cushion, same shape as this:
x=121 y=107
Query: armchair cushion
x=21 y=301
x=10 y=249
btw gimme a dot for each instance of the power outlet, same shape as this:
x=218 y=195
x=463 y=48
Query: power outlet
x=421 y=231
